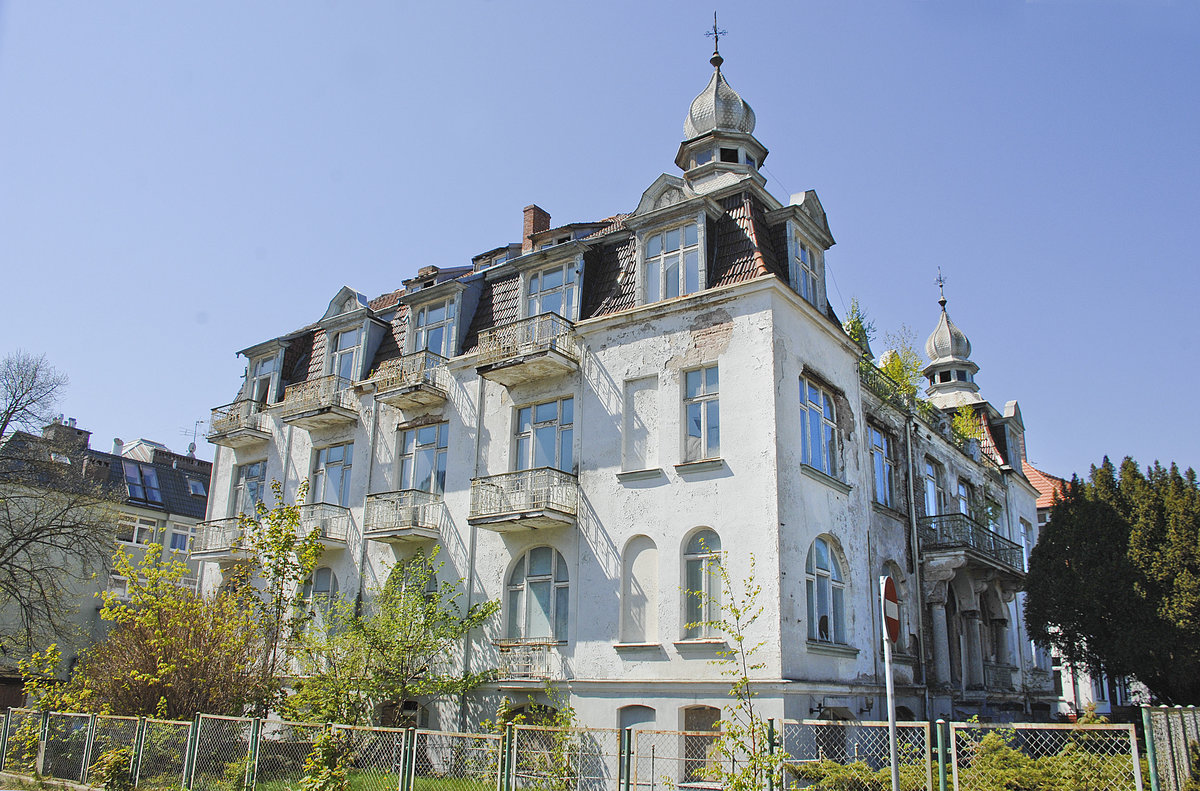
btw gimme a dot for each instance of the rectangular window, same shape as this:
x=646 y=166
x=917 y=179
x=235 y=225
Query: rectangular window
x=1026 y=541
x=672 y=263
x=701 y=414
x=884 y=465
x=963 y=498
x=935 y=495
x=544 y=436
x=142 y=481
x=251 y=486
x=180 y=536
x=423 y=458
x=331 y=475
x=196 y=487
x=345 y=354
x=818 y=429
x=553 y=291
x=260 y=379
x=435 y=328
x=639 y=424
x=804 y=268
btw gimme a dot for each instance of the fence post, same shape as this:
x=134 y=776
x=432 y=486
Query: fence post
x=508 y=745
x=43 y=735
x=4 y=736
x=626 y=760
x=771 y=753
x=1151 y=752
x=252 y=753
x=940 y=725
x=407 y=759
x=88 y=743
x=189 y=755
x=139 y=740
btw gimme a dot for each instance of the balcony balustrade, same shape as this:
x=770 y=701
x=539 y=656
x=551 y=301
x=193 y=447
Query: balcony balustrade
x=959 y=531
x=238 y=424
x=411 y=381
x=527 y=499
x=404 y=516
x=332 y=523
x=219 y=540
x=529 y=349
x=529 y=660
x=319 y=403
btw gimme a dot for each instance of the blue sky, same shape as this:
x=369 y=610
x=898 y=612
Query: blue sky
x=180 y=181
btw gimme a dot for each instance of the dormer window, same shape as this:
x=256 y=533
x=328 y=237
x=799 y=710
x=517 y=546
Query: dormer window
x=141 y=480
x=804 y=268
x=553 y=291
x=262 y=374
x=672 y=263
x=345 y=354
x=435 y=328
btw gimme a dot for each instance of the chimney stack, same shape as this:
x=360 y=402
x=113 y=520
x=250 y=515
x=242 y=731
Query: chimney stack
x=118 y=446
x=537 y=220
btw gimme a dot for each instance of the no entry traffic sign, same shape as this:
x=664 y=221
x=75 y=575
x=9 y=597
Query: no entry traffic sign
x=891 y=610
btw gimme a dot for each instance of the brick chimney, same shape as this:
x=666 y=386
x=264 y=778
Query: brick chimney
x=537 y=220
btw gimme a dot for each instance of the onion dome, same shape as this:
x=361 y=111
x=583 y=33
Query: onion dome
x=947 y=340
x=951 y=372
x=718 y=107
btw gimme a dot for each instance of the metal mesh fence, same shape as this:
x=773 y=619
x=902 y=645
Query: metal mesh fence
x=561 y=758
x=64 y=751
x=375 y=756
x=1067 y=757
x=222 y=754
x=1174 y=730
x=282 y=748
x=458 y=761
x=113 y=733
x=164 y=749
x=21 y=750
x=839 y=754
x=668 y=759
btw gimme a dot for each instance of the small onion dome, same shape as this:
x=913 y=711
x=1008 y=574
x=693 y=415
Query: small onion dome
x=718 y=107
x=947 y=342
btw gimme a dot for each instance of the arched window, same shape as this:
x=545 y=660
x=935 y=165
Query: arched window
x=702 y=584
x=826 y=594
x=538 y=596
x=639 y=591
x=635 y=717
x=321 y=586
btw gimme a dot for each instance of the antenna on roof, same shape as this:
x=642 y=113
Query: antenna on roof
x=715 y=34
x=192 y=432
x=941 y=284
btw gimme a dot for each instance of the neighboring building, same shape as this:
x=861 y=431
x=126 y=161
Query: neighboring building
x=1074 y=687
x=161 y=496
x=586 y=422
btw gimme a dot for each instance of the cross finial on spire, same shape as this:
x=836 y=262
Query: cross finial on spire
x=715 y=34
x=941 y=284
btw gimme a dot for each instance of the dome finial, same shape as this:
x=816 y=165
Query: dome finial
x=716 y=60
x=941 y=284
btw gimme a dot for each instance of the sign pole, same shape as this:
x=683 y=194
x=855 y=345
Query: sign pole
x=889 y=607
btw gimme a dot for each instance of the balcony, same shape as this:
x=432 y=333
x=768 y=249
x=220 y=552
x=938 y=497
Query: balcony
x=959 y=532
x=332 y=523
x=528 y=499
x=526 y=350
x=535 y=659
x=326 y=402
x=402 y=517
x=219 y=541
x=411 y=382
x=238 y=424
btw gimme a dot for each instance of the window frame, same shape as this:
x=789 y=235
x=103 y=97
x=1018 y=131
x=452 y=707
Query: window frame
x=448 y=324
x=883 y=465
x=804 y=267
x=701 y=563
x=564 y=438
x=262 y=382
x=320 y=473
x=149 y=490
x=835 y=581
x=568 y=290
x=337 y=354
x=517 y=597
x=934 y=486
x=241 y=479
x=657 y=264
x=407 y=457
x=829 y=444
x=706 y=404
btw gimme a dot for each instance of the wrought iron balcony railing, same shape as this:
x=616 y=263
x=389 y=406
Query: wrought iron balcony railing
x=218 y=536
x=547 y=332
x=541 y=495
x=954 y=531
x=242 y=415
x=411 y=381
x=411 y=513
x=331 y=521
x=318 y=394
x=529 y=660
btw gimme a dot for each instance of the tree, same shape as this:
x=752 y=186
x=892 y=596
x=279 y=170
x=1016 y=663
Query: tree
x=401 y=647
x=29 y=389
x=902 y=362
x=1114 y=581
x=860 y=328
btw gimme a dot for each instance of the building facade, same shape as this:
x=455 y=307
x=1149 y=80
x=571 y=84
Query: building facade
x=587 y=421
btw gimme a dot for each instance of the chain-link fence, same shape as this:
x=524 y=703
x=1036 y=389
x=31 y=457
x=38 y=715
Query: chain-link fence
x=1176 y=736
x=162 y=758
x=112 y=734
x=558 y=758
x=22 y=739
x=223 y=759
x=987 y=756
x=837 y=754
x=458 y=761
x=375 y=757
x=282 y=748
x=64 y=746
x=669 y=759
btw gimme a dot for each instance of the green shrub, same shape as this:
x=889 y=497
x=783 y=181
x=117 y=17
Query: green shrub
x=110 y=770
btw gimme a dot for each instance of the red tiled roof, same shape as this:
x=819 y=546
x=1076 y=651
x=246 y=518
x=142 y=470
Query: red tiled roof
x=604 y=290
x=392 y=344
x=743 y=244
x=1045 y=484
x=385 y=301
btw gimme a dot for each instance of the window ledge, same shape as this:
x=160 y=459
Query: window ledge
x=828 y=480
x=888 y=510
x=637 y=646
x=640 y=475
x=831 y=649
x=704 y=465
x=701 y=644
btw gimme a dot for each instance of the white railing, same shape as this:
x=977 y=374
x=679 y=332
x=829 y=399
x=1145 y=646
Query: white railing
x=218 y=535
x=331 y=521
x=408 y=371
x=528 y=490
x=529 y=660
x=541 y=333
x=243 y=414
x=391 y=511
x=320 y=393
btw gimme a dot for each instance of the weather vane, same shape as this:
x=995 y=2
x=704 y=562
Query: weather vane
x=941 y=284
x=715 y=34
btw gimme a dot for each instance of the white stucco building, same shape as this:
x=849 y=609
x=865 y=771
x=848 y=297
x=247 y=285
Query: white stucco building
x=587 y=420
